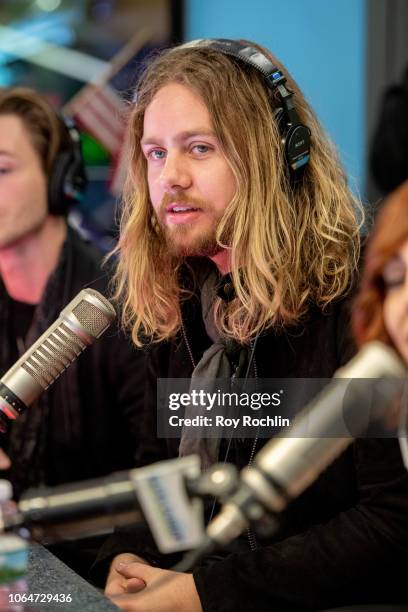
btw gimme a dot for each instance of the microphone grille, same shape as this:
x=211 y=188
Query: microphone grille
x=79 y=324
x=43 y=366
x=93 y=320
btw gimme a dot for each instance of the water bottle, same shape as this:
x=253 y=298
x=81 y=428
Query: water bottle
x=13 y=557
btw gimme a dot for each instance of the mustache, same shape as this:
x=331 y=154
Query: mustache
x=181 y=198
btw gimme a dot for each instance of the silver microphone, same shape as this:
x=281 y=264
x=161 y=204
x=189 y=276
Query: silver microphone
x=81 y=322
x=75 y=510
x=287 y=465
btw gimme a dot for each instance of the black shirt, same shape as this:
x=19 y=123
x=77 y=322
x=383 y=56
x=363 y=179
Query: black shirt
x=21 y=316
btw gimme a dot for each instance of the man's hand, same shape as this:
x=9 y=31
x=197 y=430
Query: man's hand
x=165 y=591
x=116 y=583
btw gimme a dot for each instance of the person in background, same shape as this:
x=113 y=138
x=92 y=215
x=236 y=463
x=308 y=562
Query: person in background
x=236 y=257
x=86 y=424
x=381 y=309
x=389 y=147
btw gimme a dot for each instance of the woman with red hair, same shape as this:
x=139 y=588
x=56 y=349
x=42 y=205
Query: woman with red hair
x=381 y=313
x=381 y=310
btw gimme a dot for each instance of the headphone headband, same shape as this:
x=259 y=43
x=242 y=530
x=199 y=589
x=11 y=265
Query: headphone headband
x=295 y=135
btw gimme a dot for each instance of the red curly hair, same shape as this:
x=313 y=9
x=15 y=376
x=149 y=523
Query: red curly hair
x=390 y=233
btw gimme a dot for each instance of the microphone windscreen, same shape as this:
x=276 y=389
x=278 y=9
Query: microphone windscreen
x=81 y=322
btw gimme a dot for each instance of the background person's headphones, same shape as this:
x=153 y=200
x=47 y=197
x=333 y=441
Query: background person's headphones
x=295 y=135
x=67 y=179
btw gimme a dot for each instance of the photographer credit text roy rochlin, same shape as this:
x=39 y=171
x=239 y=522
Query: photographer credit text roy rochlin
x=207 y=401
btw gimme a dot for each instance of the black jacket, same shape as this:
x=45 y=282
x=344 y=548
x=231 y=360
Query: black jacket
x=88 y=421
x=344 y=540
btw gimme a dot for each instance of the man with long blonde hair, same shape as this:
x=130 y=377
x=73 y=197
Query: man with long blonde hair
x=238 y=245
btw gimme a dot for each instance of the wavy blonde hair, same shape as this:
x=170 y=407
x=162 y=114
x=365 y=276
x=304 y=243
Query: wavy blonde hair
x=291 y=244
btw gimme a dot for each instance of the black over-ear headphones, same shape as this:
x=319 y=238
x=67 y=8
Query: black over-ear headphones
x=67 y=180
x=295 y=135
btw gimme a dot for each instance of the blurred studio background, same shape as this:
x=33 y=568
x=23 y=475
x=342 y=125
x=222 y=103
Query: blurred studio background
x=349 y=56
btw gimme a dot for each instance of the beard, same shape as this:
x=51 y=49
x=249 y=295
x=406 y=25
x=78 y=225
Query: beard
x=185 y=241
x=190 y=239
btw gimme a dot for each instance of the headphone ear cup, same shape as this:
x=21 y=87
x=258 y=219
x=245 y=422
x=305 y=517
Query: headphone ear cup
x=76 y=179
x=67 y=180
x=279 y=115
x=295 y=141
x=58 y=203
x=297 y=147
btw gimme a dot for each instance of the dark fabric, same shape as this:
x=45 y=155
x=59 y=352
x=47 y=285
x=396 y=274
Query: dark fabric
x=87 y=424
x=27 y=436
x=389 y=148
x=21 y=315
x=371 y=608
x=343 y=541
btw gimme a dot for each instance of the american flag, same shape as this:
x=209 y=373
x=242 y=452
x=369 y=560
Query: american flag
x=119 y=169
x=100 y=111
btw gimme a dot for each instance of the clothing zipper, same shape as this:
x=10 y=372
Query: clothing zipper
x=253 y=544
x=190 y=352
